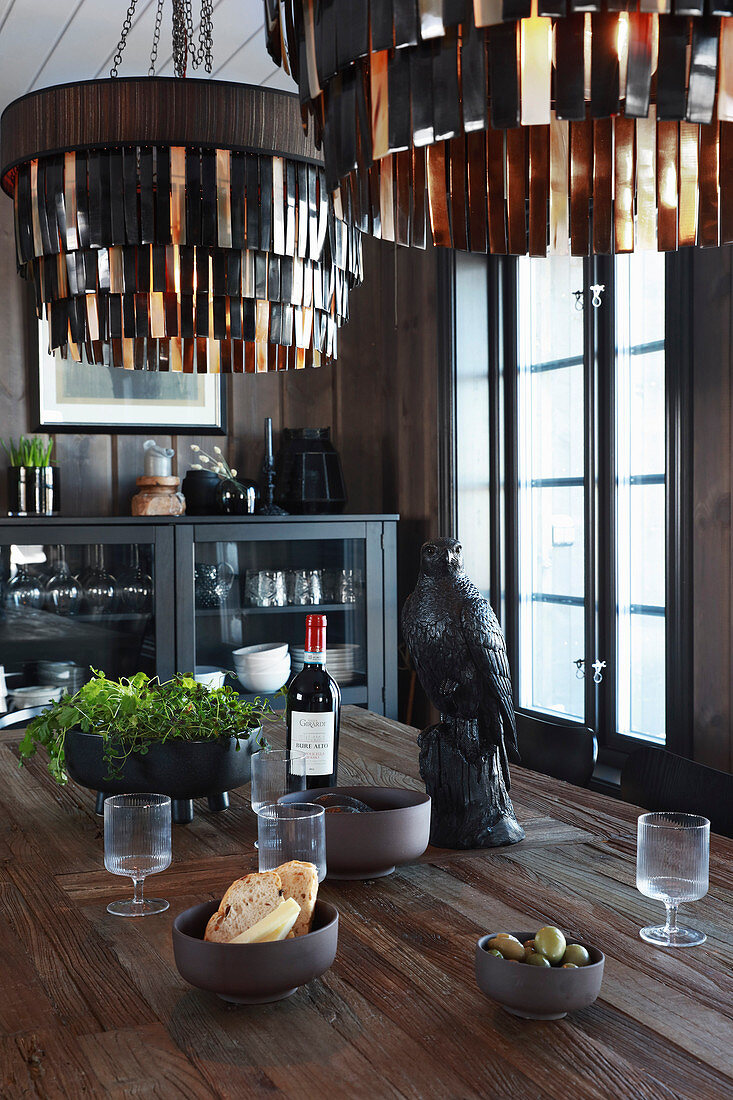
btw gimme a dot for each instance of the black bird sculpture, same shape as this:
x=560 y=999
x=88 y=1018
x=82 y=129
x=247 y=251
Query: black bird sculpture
x=458 y=650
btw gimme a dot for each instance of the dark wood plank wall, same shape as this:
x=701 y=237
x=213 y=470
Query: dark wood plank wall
x=380 y=400
x=712 y=385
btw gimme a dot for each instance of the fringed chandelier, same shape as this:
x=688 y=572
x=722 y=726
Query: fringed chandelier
x=520 y=126
x=177 y=224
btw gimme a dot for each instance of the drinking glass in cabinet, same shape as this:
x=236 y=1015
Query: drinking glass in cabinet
x=63 y=591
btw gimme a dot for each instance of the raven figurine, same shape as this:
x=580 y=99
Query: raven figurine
x=458 y=651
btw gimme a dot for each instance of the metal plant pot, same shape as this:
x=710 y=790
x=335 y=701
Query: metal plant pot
x=182 y=769
x=33 y=490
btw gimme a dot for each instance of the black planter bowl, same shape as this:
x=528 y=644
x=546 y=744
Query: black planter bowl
x=182 y=769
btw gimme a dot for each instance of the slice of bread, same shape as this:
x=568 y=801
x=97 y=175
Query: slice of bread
x=300 y=881
x=247 y=901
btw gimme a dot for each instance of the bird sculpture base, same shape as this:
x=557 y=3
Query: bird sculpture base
x=471 y=807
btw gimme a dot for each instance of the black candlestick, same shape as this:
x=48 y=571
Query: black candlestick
x=268 y=507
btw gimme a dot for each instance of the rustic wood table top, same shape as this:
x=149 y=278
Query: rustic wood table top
x=92 y=1005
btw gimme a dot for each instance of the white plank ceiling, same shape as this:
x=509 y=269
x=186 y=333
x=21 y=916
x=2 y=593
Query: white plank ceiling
x=46 y=42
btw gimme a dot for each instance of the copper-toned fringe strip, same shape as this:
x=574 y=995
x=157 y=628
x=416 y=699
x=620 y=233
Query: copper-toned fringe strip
x=581 y=153
x=689 y=133
x=458 y=180
x=386 y=197
x=477 y=205
x=35 y=214
x=559 y=186
x=224 y=196
x=487 y=12
x=707 y=233
x=402 y=197
x=495 y=173
x=726 y=182
x=646 y=181
x=602 y=184
x=178 y=192
x=379 y=95
x=667 y=185
x=624 y=202
x=419 y=199
x=438 y=193
x=539 y=178
x=725 y=71
x=516 y=179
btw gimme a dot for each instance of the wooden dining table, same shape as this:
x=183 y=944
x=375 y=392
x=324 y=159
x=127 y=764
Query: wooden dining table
x=92 y=1004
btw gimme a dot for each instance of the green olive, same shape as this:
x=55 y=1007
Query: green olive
x=535 y=959
x=577 y=954
x=497 y=953
x=550 y=941
x=570 y=966
x=509 y=946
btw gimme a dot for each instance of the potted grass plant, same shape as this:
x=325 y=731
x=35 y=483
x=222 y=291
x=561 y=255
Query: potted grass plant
x=33 y=482
x=178 y=738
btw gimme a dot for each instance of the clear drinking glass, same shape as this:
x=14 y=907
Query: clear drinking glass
x=135 y=586
x=275 y=772
x=137 y=842
x=672 y=859
x=63 y=591
x=292 y=830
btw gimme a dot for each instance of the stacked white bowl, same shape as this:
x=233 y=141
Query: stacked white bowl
x=263 y=668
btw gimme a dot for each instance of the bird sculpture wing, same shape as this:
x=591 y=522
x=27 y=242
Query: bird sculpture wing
x=486 y=644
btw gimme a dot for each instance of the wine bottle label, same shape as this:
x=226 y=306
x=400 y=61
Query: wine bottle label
x=313 y=734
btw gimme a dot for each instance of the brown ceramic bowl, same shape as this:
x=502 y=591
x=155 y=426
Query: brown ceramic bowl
x=538 y=992
x=253 y=973
x=363 y=846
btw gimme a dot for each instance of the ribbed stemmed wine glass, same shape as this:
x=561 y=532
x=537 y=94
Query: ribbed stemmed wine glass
x=137 y=842
x=672 y=860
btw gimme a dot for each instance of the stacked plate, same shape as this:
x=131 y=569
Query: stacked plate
x=38 y=695
x=65 y=674
x=343 y=661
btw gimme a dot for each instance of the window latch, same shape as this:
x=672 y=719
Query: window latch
x=579 y=668
x=596 y=290
x=598 y=667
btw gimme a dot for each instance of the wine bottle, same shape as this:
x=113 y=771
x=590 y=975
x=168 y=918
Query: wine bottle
x=313 y=709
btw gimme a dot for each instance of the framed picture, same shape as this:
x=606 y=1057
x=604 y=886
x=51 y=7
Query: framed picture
x=79 y=397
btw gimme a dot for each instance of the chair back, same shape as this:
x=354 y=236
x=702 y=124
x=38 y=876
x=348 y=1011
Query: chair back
x=17 y=718
x=564 y=752
x=659 y=780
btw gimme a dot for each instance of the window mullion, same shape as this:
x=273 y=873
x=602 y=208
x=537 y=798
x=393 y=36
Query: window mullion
x=605 y=531
x=590 y=496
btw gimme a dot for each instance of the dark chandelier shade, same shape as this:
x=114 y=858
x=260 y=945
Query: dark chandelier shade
x=520 y=126
x=171 y=224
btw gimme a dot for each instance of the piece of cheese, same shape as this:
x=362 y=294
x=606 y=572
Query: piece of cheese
x=274 y=926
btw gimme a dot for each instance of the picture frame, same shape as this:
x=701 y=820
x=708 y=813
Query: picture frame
x=88 y=398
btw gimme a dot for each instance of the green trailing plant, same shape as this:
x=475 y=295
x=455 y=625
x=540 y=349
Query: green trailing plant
x=131 y=715
x=29 y=451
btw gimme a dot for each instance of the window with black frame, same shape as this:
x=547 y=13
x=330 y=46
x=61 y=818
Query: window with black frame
x=569 y=456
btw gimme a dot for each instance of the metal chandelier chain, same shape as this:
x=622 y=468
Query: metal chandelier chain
x=185 y=48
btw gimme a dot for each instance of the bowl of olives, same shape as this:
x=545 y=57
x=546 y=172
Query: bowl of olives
x=538 y=975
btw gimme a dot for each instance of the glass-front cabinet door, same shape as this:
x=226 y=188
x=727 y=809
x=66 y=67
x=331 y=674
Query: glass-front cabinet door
x=255 y=582
x=81 y=597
